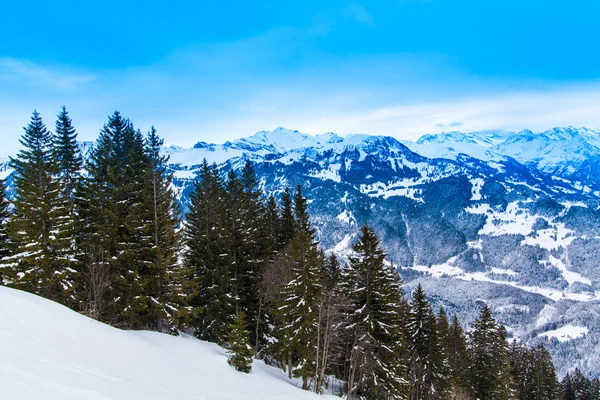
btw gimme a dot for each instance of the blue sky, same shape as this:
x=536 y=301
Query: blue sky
x=219 y=70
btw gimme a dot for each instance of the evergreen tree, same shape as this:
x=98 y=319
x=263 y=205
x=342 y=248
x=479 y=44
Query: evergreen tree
x=374 y=367
x=456 y=347
x=428 y=365
x=161 y=278
x=287 y=224
x=211 y=301
x=567 y=388
x=301 y=216
x=238 y=340
x=36 y=264
x=299 y=307
x=489 y=363
x=5 y=245
x=258 y=249
x=117 y=225
x=68 y=170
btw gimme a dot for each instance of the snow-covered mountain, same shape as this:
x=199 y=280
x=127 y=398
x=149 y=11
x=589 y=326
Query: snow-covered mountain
x=474 y=217
x=511 y=220
x=49 y=352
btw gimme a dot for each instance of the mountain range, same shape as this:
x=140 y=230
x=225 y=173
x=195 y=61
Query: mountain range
x=507 y=219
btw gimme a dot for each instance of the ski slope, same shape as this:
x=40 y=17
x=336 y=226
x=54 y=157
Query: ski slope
x=50 y=352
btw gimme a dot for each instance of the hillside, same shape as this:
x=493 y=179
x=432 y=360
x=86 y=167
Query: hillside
x=48 y=351
x=511 y=220
x=475 y=217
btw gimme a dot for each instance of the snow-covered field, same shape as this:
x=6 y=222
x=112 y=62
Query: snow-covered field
x=50 y=352
x=566 y=333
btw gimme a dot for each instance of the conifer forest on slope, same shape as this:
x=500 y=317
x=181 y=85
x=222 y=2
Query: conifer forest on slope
x=245 y=270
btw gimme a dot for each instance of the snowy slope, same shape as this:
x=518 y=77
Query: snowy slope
x=558 y=151
x=50 y=352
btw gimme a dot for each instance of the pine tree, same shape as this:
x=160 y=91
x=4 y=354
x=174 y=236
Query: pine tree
x=489 y=363
x=117 y=224
x=287 y=224
x=5 y=245
x=161 y=278
x=258 y=249
x=211 y=296
x=300 y=302
x=68 y=170
x=32 y=228
x=456 y=347
x=374 y=366
x=428 y=365
x=567 y=388
x=238 y=340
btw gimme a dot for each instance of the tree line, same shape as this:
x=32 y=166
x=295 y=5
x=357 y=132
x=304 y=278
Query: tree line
x=242 y=269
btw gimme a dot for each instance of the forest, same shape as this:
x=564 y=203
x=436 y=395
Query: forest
x=244 y=269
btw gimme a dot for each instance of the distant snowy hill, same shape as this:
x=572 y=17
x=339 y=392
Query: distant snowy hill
x=50 y=352
x=507 y=219
x=474 y=217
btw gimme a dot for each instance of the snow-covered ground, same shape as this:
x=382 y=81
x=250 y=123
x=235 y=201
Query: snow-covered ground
x=566 y=333
x=50 y=352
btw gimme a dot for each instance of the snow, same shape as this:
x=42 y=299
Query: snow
x=50 y=352
x=477 y=184
x=566 y=333
x=347 y=217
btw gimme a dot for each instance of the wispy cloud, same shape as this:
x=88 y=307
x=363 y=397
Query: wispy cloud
x=35 y=75
x=358 y=13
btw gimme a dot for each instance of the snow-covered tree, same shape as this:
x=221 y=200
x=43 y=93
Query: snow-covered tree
x=68 y=172
x=375 y=369
x=162 y=277
x=33 y=226
x=300 y=301
x=428 y=365
x=5 y=245
x=489 y=363
x=116 y=235
x=209 y=287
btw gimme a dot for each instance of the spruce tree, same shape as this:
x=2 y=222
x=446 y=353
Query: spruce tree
x=428 y=364
x=258 y=249
x=32 y=228
x=374 y=366
x=211 y=300
x=238 y=341
x=162 y=277
x=456 y=347
x=301 y=299
x=5 y=245
x=489 y=363
x=68 y=170
x=533 y=372
x=286 y=228
x=117 y=225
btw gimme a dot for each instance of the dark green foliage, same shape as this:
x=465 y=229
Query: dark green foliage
x=68 y=172
x=238 y=340
x=374 y=368
x=575 y=386
x=455 y=344
x=36 y=265
x=116 y=235
x=5 y=244
x=489 y=363
x=287 y=223
x=533 y=373
x=161 y=277
x=209 y=258
x=299 y=307
x=428 y=365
